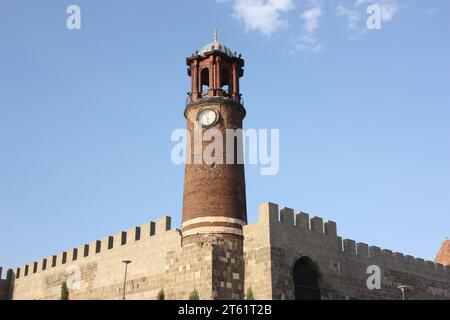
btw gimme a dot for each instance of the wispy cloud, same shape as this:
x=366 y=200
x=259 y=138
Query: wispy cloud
x=265 y=16
x=270 y=16
x=310 y=18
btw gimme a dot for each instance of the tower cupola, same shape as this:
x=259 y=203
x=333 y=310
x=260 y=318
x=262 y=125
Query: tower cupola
x=215 y=71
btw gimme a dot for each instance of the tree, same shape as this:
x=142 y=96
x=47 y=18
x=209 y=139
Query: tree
x=64 y=291
x=161 y=295
x=194 y=295
x=250 y=295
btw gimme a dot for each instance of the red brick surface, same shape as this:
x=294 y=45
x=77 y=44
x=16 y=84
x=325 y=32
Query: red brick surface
x=215 y=190
x=443 y=256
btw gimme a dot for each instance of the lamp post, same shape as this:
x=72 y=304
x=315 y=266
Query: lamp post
x=126 y=262
x=403 y=289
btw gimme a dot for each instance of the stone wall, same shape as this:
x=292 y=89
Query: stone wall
x=95 y=271
x=228 y=267
x=342 y=264
x=5 y=284
x=225 y=267
x=258 y=266
x=4 y=290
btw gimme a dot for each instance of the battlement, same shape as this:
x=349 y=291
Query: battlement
x=109 y=243
x=5 y=275
x=271 y=214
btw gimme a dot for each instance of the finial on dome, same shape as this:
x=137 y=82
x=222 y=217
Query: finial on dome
x=216 y=35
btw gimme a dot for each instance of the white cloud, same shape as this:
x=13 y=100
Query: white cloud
x=269 y=16
x=265 y=16
x=311 y=19
x=310 y=23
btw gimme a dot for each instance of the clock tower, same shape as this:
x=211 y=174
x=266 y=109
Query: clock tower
x=214 y=201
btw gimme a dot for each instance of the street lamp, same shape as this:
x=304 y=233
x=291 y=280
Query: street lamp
x=126 y=262
x=403 y=289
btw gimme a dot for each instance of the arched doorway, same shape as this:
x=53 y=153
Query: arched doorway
x=306 y=280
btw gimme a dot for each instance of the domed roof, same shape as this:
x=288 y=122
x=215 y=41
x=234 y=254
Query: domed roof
x=216 y=46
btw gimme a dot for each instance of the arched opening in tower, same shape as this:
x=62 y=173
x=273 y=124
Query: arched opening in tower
x=225 y=82
x=204 y=78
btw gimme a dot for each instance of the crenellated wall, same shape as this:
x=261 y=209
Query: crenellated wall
x=96 y=271
x=220 y=267
x=281 y=237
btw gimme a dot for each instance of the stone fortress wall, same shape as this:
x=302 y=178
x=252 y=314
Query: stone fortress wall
x=95 y=271
x=281 y=237
x=223 y=269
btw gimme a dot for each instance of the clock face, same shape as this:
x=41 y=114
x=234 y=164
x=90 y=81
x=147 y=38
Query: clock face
x=207 y=117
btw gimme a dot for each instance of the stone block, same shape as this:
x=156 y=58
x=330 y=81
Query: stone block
x=316 y=224
x=330 y=228
x=302 y=220
x=349 y=246
x=268 y=213
x=287 y=216
x=362 y=249
x=163 y=225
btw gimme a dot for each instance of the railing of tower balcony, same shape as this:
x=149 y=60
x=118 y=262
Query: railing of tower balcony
x=205 y=95
x=241 y=100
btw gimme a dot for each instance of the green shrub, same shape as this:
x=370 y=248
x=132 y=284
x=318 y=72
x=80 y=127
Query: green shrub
x=64 y=291
x=161 y=295
x=194 y=295
x=250 y=295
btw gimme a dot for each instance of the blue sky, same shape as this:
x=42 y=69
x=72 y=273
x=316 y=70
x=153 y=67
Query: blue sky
x=86 y=116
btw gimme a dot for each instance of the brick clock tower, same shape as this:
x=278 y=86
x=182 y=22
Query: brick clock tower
x=214 y=201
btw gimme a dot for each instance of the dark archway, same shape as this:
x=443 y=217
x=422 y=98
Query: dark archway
x=204 y=81
x=306 y=280
x=225 y=82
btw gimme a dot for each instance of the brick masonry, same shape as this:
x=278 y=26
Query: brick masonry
x=214 y=199
x=214 y=189
x=443 y=255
